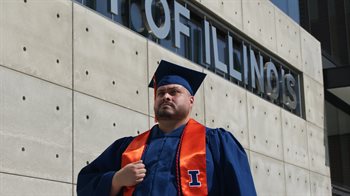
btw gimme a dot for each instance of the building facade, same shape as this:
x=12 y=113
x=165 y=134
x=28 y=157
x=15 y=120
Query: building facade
x=329 y=22
x=74 y=77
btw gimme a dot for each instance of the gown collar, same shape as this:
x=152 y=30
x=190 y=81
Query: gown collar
x=158 y=133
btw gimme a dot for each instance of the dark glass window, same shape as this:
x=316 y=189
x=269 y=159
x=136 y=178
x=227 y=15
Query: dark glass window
x=222 y=49
x=290 y=7
x=102 y=7
x=329 y=22
x=237 y=56
x=339 y=144
x=168 y=42
x=196 y=43
x=339 y=34
x=293 y=10
x=347 y=23
x=281 y=4
x=319 y=24
x=124 y=7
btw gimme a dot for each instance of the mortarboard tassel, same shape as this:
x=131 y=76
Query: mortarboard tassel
x=155 y=94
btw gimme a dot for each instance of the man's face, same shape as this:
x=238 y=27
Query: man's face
x=172 y=102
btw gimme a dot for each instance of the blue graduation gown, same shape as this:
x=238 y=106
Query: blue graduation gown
x=228 y=171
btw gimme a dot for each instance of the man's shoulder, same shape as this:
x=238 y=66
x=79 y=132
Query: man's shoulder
x=217 y=131
x=120 y=143
x=222 y=136
x=124 y=139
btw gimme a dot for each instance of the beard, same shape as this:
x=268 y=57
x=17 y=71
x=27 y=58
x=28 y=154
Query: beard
x=170 y=112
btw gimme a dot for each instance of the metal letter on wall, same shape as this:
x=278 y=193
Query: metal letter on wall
x=290 y=82
x=245 y=63
x=114 y=7
x=218 y=64
x=207 y=42
x=164 y=29
x=257 y=71
x=180 y=27
x=272 y=78
x=234 y=73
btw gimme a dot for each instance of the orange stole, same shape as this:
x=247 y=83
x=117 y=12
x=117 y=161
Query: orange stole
x=192 y=158
x=132 y=154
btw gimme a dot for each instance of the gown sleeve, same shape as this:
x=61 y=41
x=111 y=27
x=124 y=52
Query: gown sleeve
x=233 y=175
x=95 y=178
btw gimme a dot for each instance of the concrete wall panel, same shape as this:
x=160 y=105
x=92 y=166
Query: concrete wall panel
x=226 y=106
x=311 y=56
x=74 y=190
x=2 y=28
x=157 y=53
x=320 y=185
x=36 y=127
x=297 y=180
x=110 y=61
x=268 y=175
x=259 y=22
x=295 y=140
x=288 y=39
x=11 y=185
x=317 y=150
x=314 y=101
x=247 y=151
x=37 y=38
x=151 y=121
x=229 y=10
x=265 y=131
x=97 y=124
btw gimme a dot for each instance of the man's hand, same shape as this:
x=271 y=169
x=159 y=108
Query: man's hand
x=130 y=175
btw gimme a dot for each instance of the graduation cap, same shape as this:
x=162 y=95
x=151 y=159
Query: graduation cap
x=169 y=73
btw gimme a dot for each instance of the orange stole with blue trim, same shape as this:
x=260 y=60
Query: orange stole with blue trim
x=191 y=159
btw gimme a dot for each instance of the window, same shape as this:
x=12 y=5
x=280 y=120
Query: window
x=290 y=7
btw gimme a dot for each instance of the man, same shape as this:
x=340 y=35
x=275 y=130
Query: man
x=178 y=156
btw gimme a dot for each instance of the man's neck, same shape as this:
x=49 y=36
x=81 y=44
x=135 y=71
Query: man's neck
x=169 y=125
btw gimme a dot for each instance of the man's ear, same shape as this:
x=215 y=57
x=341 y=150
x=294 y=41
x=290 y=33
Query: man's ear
x=192 y=99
